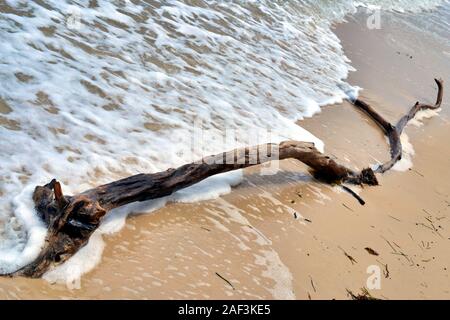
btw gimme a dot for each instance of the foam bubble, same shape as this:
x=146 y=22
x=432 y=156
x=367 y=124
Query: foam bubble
x=405 y=162
x=423 y=115
x=89 y=256
x=408 y=152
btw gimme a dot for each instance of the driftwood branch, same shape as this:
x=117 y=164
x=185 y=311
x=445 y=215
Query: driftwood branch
x=72 y=219
x=394 y=132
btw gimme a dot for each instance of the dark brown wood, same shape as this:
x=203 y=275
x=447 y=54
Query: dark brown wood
x=394 y=132
x=389 y=130
x=150 y=186
x=72 y=219
x=355 y=195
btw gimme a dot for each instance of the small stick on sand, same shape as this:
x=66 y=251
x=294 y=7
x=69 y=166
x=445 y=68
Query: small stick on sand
x=354 y=194
x=225 y=280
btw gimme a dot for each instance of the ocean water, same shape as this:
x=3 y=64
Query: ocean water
x=91 y=91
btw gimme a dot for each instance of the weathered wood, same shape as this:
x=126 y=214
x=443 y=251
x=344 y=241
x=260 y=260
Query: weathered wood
x=419 y=106
x=394 y=132
x=389 y=130
x=72 y=219
x=150 y=186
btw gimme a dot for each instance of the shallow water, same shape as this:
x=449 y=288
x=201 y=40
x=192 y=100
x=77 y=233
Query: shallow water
x=91 y=91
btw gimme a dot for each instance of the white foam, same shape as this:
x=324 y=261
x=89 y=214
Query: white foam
x=405 y=162
x=276 y=270
x=423 y=115
x=400 y=5
x=408 y=152
x=264 y=256
x=89 y=256
x=83 y=261
x=210 y=188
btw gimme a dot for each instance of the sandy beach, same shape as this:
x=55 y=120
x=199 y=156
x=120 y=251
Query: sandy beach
x=288 y=236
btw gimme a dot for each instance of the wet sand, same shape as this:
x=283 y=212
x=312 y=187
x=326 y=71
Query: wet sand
x=287 y=236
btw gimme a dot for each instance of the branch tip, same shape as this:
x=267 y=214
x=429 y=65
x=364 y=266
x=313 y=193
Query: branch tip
x=59 y=196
